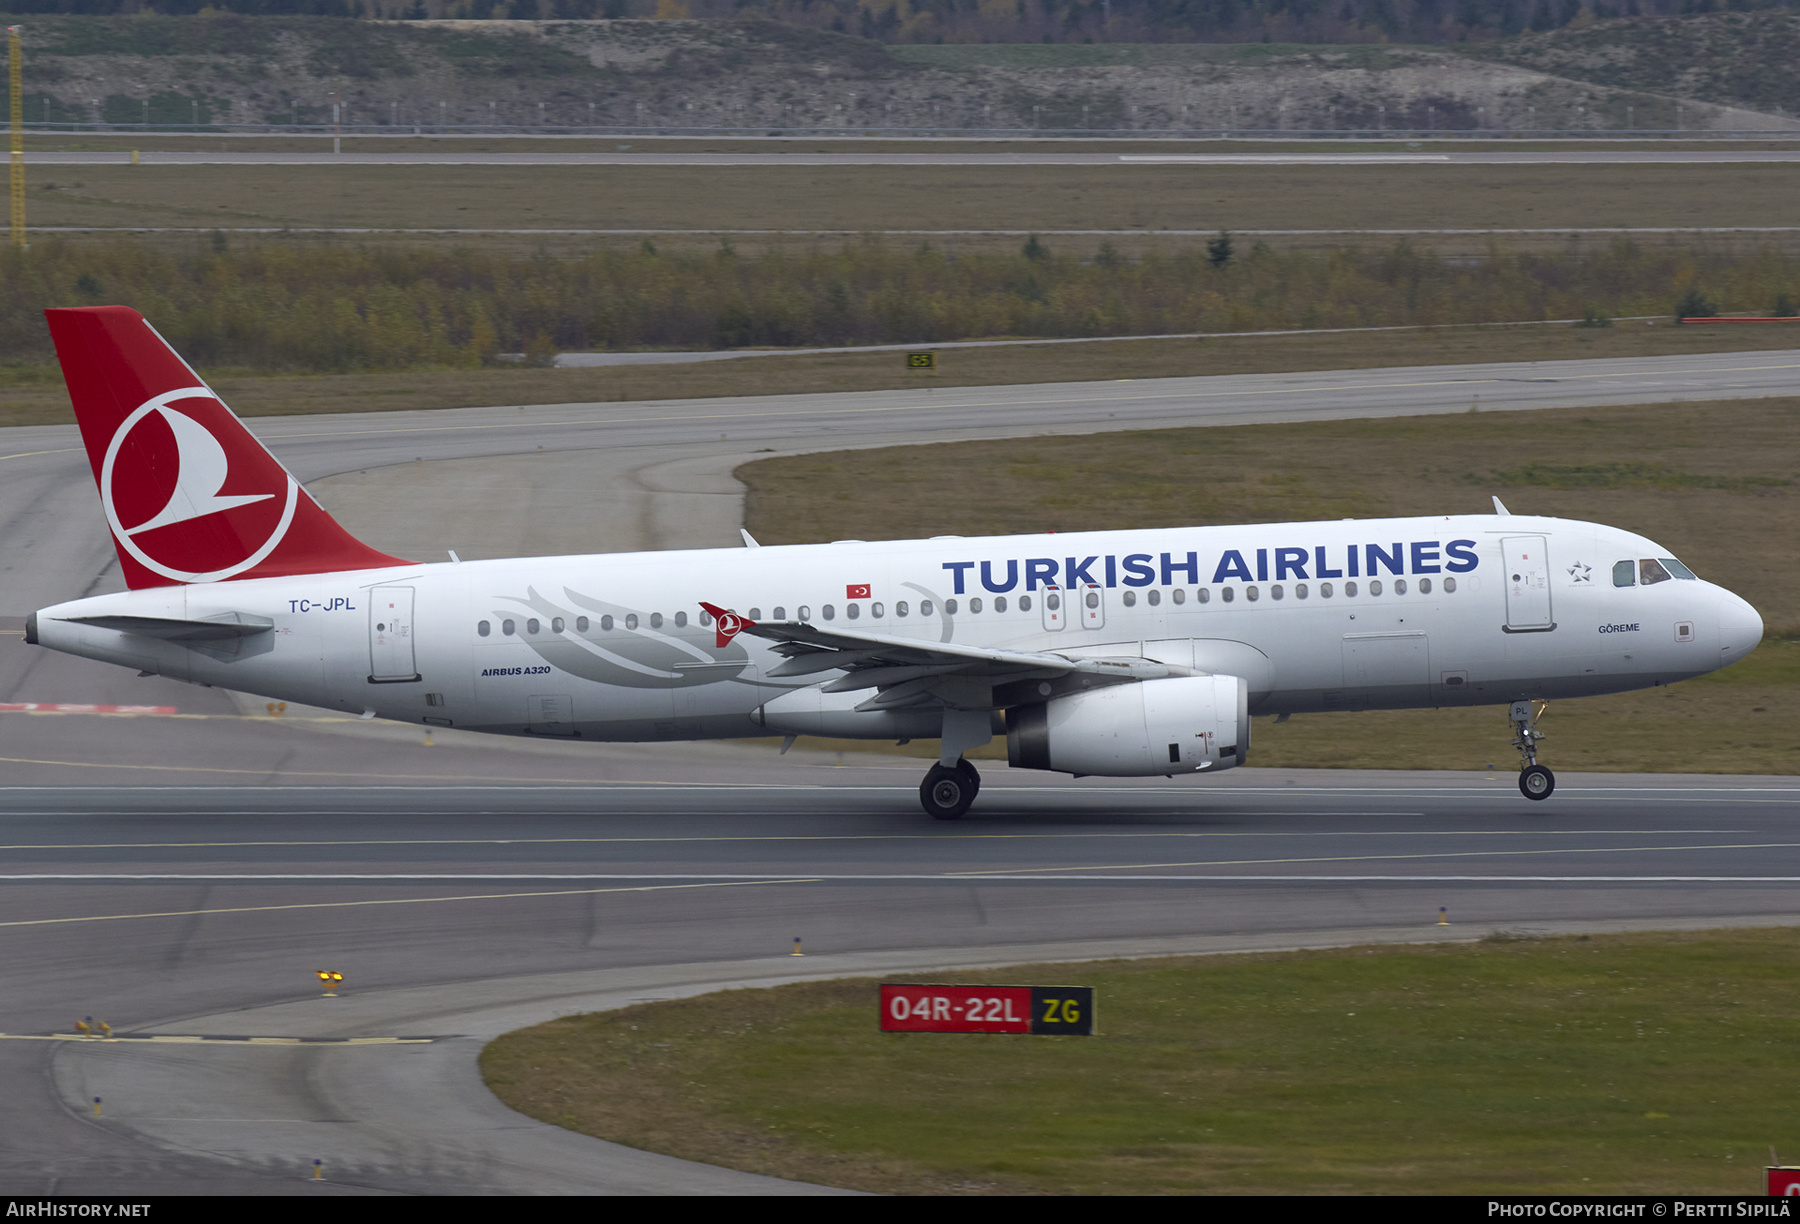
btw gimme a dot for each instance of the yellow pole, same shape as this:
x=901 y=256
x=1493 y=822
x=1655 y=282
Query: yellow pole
x=16 y=97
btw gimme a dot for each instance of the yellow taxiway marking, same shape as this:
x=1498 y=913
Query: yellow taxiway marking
x=65 y=450
x=308 y=905
x=1359 y=858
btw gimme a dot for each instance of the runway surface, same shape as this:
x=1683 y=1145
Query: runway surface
x=183 y=870
x=1649 y=155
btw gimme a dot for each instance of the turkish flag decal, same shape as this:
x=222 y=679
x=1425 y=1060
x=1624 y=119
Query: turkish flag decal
x=857 y=590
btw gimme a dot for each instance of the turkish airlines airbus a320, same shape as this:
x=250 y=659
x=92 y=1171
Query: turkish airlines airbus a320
x=1120 y=653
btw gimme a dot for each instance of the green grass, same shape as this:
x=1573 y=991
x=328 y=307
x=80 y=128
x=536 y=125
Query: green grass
x=1638 y=1064
x=863 y=198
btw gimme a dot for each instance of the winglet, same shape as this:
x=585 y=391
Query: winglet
x=749 y=540
x=728 y=624
x=1500 y=509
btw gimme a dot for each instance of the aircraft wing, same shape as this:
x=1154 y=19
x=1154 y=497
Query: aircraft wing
x=909 y=671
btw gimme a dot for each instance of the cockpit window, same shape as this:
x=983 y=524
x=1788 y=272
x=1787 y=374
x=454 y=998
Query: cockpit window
x=1650 y=571
x=1625 y=573
x=1678 y=569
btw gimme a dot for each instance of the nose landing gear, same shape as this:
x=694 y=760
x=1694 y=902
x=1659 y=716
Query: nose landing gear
x=1535 y=781
x=948 y=791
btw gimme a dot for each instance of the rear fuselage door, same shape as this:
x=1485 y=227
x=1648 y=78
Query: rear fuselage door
x=391 y=656
x=1527 y=584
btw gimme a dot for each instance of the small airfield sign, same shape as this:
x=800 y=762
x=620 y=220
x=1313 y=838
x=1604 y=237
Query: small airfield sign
x=914 y=1008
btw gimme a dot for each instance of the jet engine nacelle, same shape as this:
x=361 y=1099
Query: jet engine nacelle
x=1182 y=724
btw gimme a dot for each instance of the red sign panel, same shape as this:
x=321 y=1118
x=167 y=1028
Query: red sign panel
x=856 y=590
x=955 y=1009
x=1784 y=1182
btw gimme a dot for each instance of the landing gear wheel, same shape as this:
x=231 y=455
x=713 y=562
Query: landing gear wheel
x=974 y=778
x=947 y=793
x=1536 y=782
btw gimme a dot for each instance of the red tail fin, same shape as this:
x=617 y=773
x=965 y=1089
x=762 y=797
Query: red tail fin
x=190 y=494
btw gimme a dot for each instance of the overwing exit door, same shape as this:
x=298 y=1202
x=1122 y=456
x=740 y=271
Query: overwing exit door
x=1527 y=584
x=391 y=656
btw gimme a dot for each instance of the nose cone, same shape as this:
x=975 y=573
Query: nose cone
x=1740 y=628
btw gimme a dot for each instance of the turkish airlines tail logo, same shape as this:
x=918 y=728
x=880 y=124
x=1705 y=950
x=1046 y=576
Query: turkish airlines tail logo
x=190 y=494
x=726 y=625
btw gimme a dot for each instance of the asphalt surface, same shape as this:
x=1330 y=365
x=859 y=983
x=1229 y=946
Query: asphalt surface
x=1648 y=155
x=185 y=872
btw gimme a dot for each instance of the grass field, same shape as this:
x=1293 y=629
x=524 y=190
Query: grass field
x=806 y=198
x=1711 y=481
x=34 y=395
x=1635 y=1064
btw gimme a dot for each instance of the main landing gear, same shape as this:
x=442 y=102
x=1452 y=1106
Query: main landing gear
x=948 y=791
x=1535 y=781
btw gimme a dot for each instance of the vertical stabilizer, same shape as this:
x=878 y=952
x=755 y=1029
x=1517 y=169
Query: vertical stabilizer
x=189 y=493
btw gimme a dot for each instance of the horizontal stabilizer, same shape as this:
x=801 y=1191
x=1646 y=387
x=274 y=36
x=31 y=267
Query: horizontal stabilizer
x=219 y=629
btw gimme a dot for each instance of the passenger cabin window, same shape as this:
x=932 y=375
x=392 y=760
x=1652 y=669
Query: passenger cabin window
x=1130 y=599
x=830 y=612
x=1178 y=595
x=1399 y=586
x=1449 y=585
x=1375 y=587
x=581 y=624
x=1153 y=598
x=1650 y=571
x=1252 y=594
x=656 y=620
x=681 y=620
x=1275 y=591
x=531 y=626
x=949 y=607
x=1024 y=603
x=606 y=623
x=852 y=611
x=804 y=613
x=483 y=628
x=925 y=607
x=1227 y=594
x=506 y=628
x=706 y=620
x=875 y=611
x=755 y=614
x=975 y=605
x=556 y=625
x=631 y=620
x=1424 y=586
x=1349 y=590
x=900 y=608
x=780 y=613
x=1299 y=590
x=1204 y=594
x=999 y=603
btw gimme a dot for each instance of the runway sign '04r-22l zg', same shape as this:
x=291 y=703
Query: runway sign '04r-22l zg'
x=1119 y=653
x=1068 y=1010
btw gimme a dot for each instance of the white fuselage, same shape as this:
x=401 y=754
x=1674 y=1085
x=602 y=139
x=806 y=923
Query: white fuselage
x=1349 y=615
